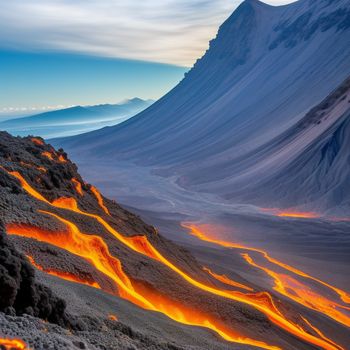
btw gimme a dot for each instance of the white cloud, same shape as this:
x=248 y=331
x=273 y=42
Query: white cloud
x=169 y=31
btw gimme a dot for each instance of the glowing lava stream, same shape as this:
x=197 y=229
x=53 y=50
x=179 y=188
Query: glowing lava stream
x=99 y=198
x=317 y=331
x=143 y=246
x=224 y=279
x=195 y=231
x=13 y=344
x=95 y=250
x=77 y=186
x=301 y=294
x=62 y=274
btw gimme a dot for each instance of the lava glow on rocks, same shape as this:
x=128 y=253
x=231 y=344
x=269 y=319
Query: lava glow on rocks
x=61 y=274
x=200 y=232
x=224 y=279
x=150 y=299
x=13 y=344
x=77 y=186
x=99 y=198
x=94 y=249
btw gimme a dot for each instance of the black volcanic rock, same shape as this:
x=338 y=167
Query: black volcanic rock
x=20 y=293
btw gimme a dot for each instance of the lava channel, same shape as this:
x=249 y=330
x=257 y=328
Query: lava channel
x=94 y=249
x=13 y=344
x=143 y=246
x=63 y=274
x=199 y=233
x=302 y=294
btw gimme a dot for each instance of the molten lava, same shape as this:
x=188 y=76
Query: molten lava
x=95 y=250
x=199 y=233
x=142 y=245
x=99 y=198
x=28 y=165
x=77 y=186
x=37 y=141
x=224 y=279
x=13 y=344
x=302 y=294
x=317 y=331
x=63 y=274
x=61 y=159
x=113 y=317
x=47 y=155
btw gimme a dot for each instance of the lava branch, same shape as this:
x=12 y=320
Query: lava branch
x=63 y=274
x=317 y=331
x=143 y=246
x=224 y=279
x=99 y=198
x=195 y=231
x=77 y=186
x=300 y=293
x=95 y=250
x=13 y=344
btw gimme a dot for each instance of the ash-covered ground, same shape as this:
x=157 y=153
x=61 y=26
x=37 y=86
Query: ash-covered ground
x=80 y=271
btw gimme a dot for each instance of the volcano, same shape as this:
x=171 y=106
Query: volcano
x=223 y=129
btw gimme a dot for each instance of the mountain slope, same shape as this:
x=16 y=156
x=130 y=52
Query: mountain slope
x=101 y=258
x=267 y=67
x=74 y=120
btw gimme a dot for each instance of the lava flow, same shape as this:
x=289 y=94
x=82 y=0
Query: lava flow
x=82 y=245
x=37 y=141
x=13 y=344
x=95 y=250
x=224 y=279
x=302 y=294
x=47 y=155
x=77 y=186
x=99 y=198
x=142 y=245
x=62 y=274
x=199 y=233
x=317 y=331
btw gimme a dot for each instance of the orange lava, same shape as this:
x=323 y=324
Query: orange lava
x=37 y=141
x=147 y=248
x=113 y=317
x=95 y=250
x=99 y=198
x=92 y=248
x=61 y=274
x=302 y=294
x=77 y=186
x=260 y=301
x=13 y=344
x=318 y=332
x=61 y=159
x=224 y=279
x=199 y=233
x=40 y=168
x=47 y=155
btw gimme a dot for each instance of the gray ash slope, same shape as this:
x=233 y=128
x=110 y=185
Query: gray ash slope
x=267 y=67
x=89 y=326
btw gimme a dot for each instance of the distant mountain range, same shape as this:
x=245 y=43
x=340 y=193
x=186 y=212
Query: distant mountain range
x=74 y=120
x=217 y=129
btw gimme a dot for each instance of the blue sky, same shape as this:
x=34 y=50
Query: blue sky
x=63 y=52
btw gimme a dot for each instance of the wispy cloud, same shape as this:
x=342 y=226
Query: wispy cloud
x=169 y=31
